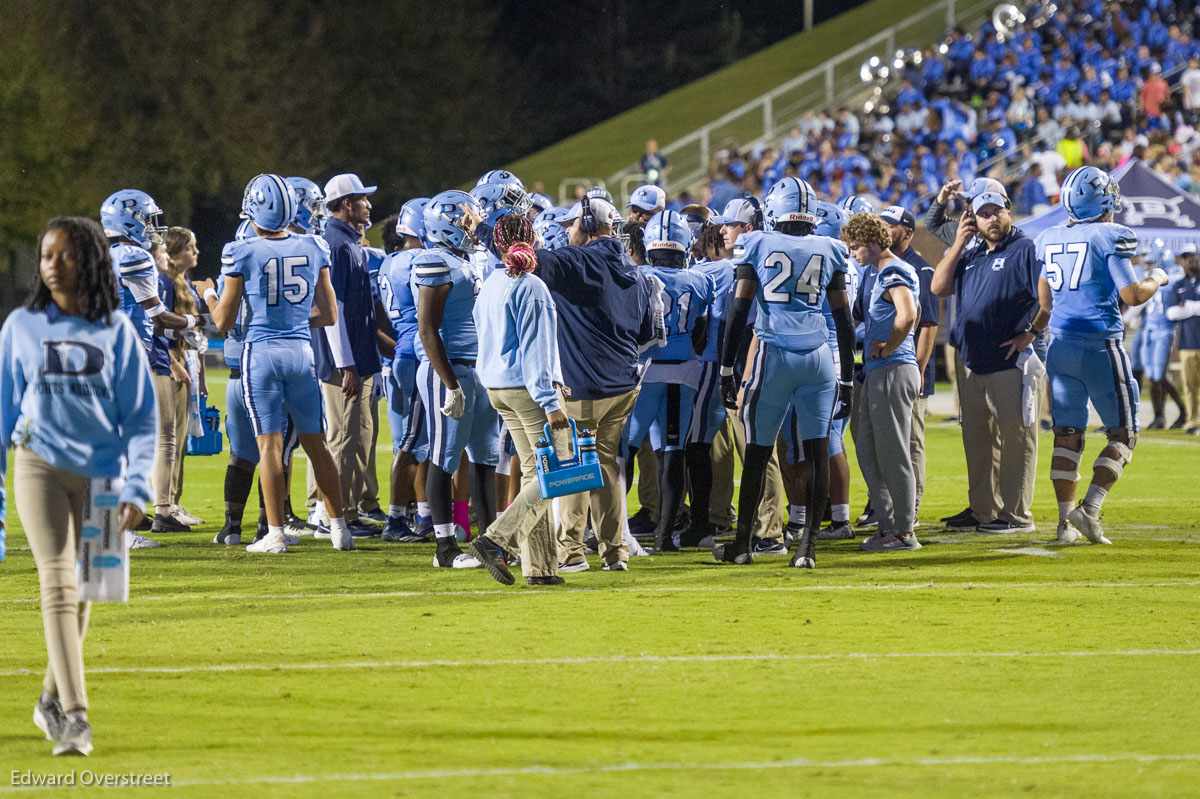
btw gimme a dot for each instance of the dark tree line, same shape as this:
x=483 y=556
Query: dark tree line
x=188 y=100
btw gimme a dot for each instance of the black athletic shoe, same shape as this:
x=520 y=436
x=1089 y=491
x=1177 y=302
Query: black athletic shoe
x=1159 y=423
x=805 y=556
x=484 y=550
x=838 y=531
x=962 y=514
x=640 y=524
x=729 y=553
x=963 y=524
x=1178 y=423
x=230 y=535
x=665 y=544
x=866 y=518
x=553 y=579
x=146 y=524
x=296 y=523
x=261 y=531
x=165 y=524
x=697 y=537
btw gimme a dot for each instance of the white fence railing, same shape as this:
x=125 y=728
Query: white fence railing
x=768 y=116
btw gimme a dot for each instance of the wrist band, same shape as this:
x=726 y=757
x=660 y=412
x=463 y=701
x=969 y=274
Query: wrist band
x=215 y=296
x=191 y=321
x=726 y=371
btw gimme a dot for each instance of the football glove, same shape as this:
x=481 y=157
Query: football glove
x=729 y=388
x=456 y=403
x=845 y=395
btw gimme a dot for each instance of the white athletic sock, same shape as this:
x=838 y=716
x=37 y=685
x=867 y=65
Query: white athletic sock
x=397 y=511
x=319 y=510
x=797 y=514
x=1064 y=510
x=272 y=530
x=1094 y=498
x=841 y=513
x=338 y=525
x=423 y=509
x=444 y=530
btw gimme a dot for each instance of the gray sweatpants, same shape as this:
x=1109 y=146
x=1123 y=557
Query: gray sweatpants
x=884 y=456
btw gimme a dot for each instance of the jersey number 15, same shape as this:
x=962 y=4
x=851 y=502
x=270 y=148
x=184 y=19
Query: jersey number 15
x=282 y=280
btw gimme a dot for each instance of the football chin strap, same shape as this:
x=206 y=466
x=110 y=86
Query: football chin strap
x=1117 y=466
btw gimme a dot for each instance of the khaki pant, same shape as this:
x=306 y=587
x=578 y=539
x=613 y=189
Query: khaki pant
x=171 y=399
x=526 y=525
x=370 y=470
x=916 y=446
x=606 y=419
x=344 y=426
x=50 y=505
x=954 y=373
x=883 y=444
x=1001 y=450
x=1189 y=361
x=724 y=463
x=181 y=427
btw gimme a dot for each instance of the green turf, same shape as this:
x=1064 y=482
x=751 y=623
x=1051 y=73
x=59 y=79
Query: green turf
x=615 y=143
x=964 y=668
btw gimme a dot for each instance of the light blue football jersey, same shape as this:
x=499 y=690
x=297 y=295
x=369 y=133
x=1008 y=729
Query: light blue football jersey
x=236 y=337
x=881 y=314
x=399 y=300
x=1155 y=318
x=688 y=296
x=132 y=263
x=279 y=281
x=438 y=267
x=720 y=272
x=793 y=274
x=374 y=257
x=1086 y=265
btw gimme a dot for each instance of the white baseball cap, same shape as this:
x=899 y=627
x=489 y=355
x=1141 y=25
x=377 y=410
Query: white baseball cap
x=344 y=185
x=738 y=211
x=604 y=211
x=989 y=198
x=648 y=198
x=1189 y=247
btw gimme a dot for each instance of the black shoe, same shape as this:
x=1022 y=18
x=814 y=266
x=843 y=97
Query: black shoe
x=484 y=550
x=963 y=524
x=697 y=537
x=837 y=531
x=962 y=514
x=665 y=543
x=1178 y=423
x=146 y=524
x=165 y=524
x=553 y=579
x=864 y=518
x=296 y=523
x=230 y=535
x=805 y=556
x=640 y=523
x=1159 y=423
x=729 y=553
x=261 y=531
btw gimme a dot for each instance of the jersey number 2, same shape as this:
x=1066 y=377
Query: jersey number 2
x=808 y=283
x=282 y=280
x=1054 y=272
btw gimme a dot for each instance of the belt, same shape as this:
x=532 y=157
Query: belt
x=462 y=362
x=235 y=374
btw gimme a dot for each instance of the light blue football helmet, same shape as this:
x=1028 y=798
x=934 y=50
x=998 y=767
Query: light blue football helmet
x=667 y=230
x=1089 y=193
x=134 y=215
x=499 y=176
x=547 y=226
x=855 y=205
x=444 y=221
x=830 y=219
x=789 y=200
x=310 y=205
x=269 y=202
x=245 y=231
x=411 y=220
x=541 y=202
x=499 y=199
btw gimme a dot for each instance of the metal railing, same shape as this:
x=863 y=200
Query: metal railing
x=768 y=116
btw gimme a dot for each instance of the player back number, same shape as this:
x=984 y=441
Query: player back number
x=807 y=284
x=283 y=280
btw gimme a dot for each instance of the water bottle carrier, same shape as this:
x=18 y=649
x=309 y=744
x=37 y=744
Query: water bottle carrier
x=211 y=442
x=581 y=472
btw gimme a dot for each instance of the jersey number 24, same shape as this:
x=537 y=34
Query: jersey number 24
x=808 y=282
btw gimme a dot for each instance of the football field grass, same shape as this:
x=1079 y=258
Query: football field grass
x=984 y=665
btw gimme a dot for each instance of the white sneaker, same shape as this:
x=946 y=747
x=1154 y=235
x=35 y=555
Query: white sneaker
x=635 y=548
x=183 y=517
x=1087 y=524
x=136 y=541
x=343 y=541
x=619 y=566
x=76 y=736
x=272 y=544
x=574 y=568
x=1067 y=534
x=460 y=561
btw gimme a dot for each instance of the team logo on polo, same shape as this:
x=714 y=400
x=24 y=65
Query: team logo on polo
x=71 y=359
x=997 y=264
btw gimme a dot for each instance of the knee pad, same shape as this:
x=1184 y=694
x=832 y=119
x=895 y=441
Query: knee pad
x=1117 y=465
x=1071 y=474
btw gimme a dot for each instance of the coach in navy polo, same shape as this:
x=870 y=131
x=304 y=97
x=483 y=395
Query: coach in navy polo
x=901 y=227
x=994 y=280
x=346 y=354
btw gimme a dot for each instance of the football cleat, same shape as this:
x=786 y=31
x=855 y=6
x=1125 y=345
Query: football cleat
x=1087 y=524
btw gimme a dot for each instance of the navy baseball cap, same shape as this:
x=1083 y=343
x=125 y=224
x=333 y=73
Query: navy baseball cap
x=897 y=215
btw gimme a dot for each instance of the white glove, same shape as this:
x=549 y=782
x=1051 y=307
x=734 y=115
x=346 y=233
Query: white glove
x=456 y=403
x=1160 y=275
x=197 y=339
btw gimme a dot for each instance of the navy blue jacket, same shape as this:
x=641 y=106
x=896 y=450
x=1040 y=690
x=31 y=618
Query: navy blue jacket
x=352 y=285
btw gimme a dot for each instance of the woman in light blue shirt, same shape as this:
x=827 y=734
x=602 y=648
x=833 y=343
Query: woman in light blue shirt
x=77 y=402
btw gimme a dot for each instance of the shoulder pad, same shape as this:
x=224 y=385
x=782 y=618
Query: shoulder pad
x=131 y=260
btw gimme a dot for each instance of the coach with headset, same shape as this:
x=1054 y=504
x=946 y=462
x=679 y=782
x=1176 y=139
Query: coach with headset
x=605 y=317
x=992 y=270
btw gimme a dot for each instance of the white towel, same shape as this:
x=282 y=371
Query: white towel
x=1032 y=368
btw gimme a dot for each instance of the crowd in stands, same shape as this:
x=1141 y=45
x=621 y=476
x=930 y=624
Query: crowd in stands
x=1097 y=82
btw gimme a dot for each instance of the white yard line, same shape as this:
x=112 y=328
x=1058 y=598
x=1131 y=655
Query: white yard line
x=738 y=765
x=659 y=589
x=629 y=659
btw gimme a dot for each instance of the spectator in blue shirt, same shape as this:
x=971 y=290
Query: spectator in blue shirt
x=982 y=70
